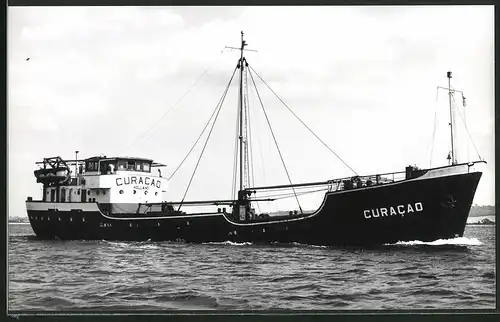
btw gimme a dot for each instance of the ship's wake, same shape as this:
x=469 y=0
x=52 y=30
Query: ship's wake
x=458 y=241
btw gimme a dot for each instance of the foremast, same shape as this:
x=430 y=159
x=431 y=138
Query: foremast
x=452 y=155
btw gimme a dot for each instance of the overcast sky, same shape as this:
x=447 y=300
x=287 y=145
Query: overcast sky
x=363 y=78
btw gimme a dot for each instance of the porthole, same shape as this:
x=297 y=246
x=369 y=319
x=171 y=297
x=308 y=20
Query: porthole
x=59 y=218
x=130 y=225
x=78 y=192
x=104 y=192
x=156 y=193
x=70 y=218
x=48 y=218
x=121 y=192
x=83 y=219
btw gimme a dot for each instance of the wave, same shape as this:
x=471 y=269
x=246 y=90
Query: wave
x=458 y=241
x=229 y=243
x=307 y=245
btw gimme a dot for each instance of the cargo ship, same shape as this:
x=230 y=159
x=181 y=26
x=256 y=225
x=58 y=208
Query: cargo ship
x=127 y=198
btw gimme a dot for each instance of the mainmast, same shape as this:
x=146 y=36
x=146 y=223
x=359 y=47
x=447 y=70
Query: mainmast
x=241 y=66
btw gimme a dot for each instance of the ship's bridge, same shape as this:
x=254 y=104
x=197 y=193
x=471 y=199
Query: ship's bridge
x=103 y=165
x=109 y=180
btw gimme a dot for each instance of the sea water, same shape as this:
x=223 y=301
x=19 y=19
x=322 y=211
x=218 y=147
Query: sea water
x=163 y=276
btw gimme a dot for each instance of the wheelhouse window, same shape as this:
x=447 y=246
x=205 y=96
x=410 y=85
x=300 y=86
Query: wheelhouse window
x=108 y=167
x=92 y=165
x=133 y=165
x=122 y=165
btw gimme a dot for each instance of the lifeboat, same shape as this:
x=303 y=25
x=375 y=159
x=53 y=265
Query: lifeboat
x=54 y=175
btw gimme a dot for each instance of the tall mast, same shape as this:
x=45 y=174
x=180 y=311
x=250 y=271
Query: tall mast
x=453 y=160
x=243 y=44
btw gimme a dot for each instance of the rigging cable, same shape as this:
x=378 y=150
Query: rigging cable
x=235 y=161
x=289 y=195
x=196 y=142
x=467 y=130
x=236 y=149
x=210 y=66
x=303 y=122
x=250 y=140
x=435 y=123
x=274 y=138
x=221 y=101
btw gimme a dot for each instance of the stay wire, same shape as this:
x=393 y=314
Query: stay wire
x=467 y=130
x=196 y=142
x=236 y=149
x=250 y=139
x=289 y=195
x=221 y=101
x=303 y=122
x=274 y=138
x=210 y=66
x=435 y=123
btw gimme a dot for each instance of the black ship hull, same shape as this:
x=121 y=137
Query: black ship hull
x=422 y=209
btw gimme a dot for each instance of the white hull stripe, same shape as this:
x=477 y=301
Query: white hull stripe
x=61 y=206
x=93 y=207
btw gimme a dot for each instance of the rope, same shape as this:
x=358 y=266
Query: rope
x=288 y=195
x=303 y=122
x=196 y=142
x=250 y=141
x=435 y=123
x=206 y=142
x=176 y=104
x=235 y=161
x=251 y=175
x=467 y=130
x=274 y=138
